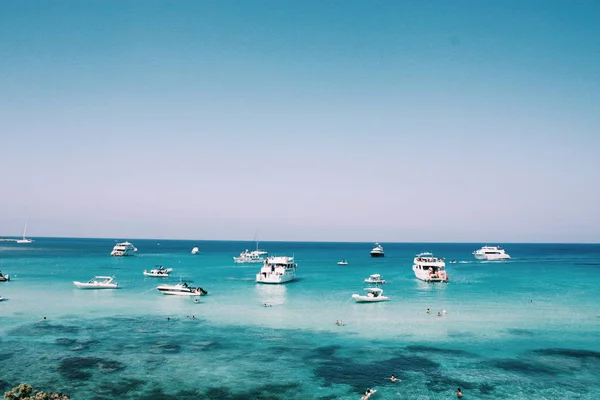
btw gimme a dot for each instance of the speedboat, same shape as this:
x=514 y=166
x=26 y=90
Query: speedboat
x=98 y=282
x=160 y=271
x=123 y=249
x=277 y=270
x=373 y=295
x=375 y=278
x=4 y=278
x=491 y=253
x=181 y=289
x=377 y=251
x=429 y=268
x=343 y=262
x=195 y=250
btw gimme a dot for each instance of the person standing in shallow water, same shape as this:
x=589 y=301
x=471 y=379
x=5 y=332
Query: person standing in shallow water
x=459 y=393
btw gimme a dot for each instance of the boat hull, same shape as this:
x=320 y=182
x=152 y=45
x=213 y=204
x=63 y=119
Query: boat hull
x=83 y=285
x=377 y=255
x=156 y=275
x=274 y=279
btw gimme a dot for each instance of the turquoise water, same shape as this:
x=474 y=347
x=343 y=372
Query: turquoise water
x=527 y=328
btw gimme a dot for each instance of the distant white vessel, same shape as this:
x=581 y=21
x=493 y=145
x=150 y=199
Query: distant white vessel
x=4 y=278
x=373 y=295
x=24 y=239
x=123 y=249
x=343 y=262
x=159 y=271
x=375 y=278
x=429 y=268
x=491 y=253
x=377 y=251
x=181 y=289
x=98 y=282
x=277 y=270
x=195 y=250
x=251 y=257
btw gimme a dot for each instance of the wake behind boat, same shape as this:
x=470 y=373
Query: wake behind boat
x=181 y=289
x=373 y=295
x=160 y=272
x=98 y=282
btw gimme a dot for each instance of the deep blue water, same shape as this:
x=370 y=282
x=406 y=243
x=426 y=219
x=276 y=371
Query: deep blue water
x=527 y=328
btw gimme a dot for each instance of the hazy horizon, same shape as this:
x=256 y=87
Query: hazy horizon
x=341 y=121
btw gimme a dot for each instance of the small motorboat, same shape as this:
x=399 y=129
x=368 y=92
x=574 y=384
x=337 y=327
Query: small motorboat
x=4 y=278
x=343 y=262
x=195 y=250
x=375 y=278
x=181 y=289
x=159 y=271
x=98 y=282
x=373 y=295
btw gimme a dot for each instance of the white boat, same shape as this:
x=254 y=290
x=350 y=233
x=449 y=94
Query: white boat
x=4 y=278
x=343 y=262
x=98 y=282
x=377 y=251
x=24 y=239
x=375 y=278
x=181 y=289
x=491 y=253
x=123 y=249
x=195 y=250
x=251 y=257
x=160 y=271
x=277 y=270
x=373 y=295
x=429 y=268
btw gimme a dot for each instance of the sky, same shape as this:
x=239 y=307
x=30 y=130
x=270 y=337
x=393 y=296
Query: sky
x=390 y=121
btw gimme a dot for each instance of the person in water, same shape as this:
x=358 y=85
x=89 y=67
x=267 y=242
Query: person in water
x=394 y=379
x=459 y=393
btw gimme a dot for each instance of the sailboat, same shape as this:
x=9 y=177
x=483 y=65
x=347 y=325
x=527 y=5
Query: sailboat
x=24 y=239
x=255 y=256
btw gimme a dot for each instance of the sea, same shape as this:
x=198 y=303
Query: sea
x=526 y=328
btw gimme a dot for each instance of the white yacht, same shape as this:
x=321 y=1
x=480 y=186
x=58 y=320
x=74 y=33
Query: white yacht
x=373 y=295
x=98 y=282
x=250 y=257
x=4 y=278
x=181 y=289
x=159 y=271
x=195 y=250
x=377 y=251
x=491 y=253
x=123 y=249
x=277 y=270
x=375 y=278
x=430 y=268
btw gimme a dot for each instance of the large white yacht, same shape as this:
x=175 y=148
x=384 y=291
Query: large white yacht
x=491 y=253
x=377 y=251
x=123 y=249
x=277 y=270
x=430 y=268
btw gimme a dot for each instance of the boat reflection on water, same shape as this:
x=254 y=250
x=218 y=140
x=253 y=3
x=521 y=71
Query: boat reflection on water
x=272 y=295
x=426 y=286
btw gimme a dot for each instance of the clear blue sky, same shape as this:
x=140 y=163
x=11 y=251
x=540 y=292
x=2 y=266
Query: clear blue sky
x=305 y=120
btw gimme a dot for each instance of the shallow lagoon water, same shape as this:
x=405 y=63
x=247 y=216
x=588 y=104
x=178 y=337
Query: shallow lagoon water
x=527 y=328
